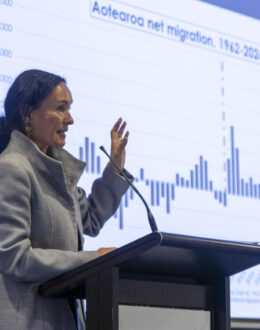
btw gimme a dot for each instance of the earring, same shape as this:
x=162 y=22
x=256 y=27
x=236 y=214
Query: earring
x=28 y=127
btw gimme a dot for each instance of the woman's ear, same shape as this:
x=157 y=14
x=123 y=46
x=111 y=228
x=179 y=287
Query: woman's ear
x=25 y=112
x=26 y=115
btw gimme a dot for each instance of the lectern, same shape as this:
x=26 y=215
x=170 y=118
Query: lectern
x=160 y=269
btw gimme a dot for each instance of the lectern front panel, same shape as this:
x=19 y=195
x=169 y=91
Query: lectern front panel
x=153 y=318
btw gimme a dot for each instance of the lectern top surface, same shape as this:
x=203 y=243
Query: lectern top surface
x=163 y=254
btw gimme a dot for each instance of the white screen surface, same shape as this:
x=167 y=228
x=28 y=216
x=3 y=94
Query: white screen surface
x=185 y=76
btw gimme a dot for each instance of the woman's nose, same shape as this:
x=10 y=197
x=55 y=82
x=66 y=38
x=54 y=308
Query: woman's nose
x=69 y=119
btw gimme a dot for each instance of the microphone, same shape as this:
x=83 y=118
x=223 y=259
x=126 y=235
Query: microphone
x=149 y=213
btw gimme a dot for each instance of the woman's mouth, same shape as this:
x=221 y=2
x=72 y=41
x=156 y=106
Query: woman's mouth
x=62 y=133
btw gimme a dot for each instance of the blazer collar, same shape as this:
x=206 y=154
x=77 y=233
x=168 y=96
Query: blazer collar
x=57 y=165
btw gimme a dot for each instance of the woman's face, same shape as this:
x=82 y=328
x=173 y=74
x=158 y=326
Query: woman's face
x=51 y=119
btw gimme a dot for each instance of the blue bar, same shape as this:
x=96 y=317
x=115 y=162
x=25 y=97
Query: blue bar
x=255 y=190
x=242 y=185
x=121 y=217
x=87 y=153
x=182 y=182
x=225 y=199
x=187 y=184
x=197 y=176
x=192 y=179
x=92 y=157
x=147 y=182
x=215 y=194
x=220 y=197
x=168 y=209
x=238 y=174
x=126 y=199
x=240 y=7
x=173 y=191
x=233 y=161
x=177 y=179
x=206 y=174
x=152 y=192
x=81 y=153
x=157 y=193
x=141 y=174
x=247 y=190
x=229 y=176
x=162 y=189
x=131 y=193
x=201 y=173
x=210 y=185
x=98 y=165
x=251 y=187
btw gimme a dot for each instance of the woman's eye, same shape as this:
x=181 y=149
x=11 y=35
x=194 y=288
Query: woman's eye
x=62 y=108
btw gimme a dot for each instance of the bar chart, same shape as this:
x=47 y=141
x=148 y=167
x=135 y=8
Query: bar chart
x=198 y=180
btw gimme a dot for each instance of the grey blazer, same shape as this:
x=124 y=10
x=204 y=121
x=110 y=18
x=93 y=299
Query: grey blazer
x=41 y=213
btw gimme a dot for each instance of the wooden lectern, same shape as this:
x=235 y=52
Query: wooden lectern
x=159 y=269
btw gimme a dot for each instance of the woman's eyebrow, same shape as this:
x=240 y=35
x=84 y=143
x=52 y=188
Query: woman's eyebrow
x=65 y=101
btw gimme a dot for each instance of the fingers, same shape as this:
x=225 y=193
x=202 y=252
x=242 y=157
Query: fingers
x=122 y=128
x=118 y=128
x=118 y=142
x=103 y=251
x=124 y=140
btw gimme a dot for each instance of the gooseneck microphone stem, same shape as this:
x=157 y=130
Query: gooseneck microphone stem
x=149 y=213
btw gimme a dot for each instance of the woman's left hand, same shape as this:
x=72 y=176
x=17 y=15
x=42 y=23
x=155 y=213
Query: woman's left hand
x=118 y=143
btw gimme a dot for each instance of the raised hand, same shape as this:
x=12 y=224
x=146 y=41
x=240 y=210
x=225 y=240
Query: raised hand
x=118 y=143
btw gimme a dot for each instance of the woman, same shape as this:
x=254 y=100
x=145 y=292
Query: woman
x=43 y=213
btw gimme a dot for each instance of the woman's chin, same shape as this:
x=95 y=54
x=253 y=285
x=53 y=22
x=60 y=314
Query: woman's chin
x=60 y=143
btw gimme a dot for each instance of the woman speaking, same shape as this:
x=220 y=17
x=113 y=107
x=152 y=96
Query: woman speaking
x=43 y=213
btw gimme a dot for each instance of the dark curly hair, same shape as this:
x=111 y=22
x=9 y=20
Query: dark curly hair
x=30 y=88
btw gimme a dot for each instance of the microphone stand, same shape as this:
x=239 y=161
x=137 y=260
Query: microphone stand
x=149 y=213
